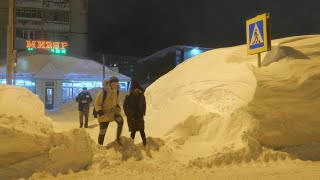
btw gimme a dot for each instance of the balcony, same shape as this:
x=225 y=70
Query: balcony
x=51 y=26
x=57 y=6
x=29 y=3
x=28 y=24
x=64 y=6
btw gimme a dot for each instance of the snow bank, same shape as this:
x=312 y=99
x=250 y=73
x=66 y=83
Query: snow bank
x=192 y=106
x=28 y=142
x=219 y=108
x=15 y=101
x=287 y=100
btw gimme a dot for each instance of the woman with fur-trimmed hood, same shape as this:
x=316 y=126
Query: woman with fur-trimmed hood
x=108 y=109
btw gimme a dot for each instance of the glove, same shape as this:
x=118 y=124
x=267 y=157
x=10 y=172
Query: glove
x=100 y=112
x=84 y=101
x=117 y=110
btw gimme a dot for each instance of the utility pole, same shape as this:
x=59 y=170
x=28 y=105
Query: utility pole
x=42 y=20
x=103 y=67
x=10 y=41
x=14 y=66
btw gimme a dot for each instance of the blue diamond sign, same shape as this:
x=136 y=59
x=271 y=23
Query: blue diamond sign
x=258 y=34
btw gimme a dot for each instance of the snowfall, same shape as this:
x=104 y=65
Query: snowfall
x=215 y=116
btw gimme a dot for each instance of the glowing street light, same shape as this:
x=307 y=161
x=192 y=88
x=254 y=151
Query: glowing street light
x=195 y=51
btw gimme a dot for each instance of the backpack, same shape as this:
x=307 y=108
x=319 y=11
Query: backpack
x=94 y=112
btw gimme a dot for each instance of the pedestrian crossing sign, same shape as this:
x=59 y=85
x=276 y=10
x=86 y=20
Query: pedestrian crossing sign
x=258 y=34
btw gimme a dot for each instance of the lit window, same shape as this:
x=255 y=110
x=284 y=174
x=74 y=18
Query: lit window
x=72 y=89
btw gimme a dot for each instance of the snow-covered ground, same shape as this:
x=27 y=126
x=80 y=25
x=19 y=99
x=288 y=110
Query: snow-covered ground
x=215 y=116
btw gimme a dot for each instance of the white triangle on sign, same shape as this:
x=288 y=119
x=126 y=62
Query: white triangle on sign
x=256 y=36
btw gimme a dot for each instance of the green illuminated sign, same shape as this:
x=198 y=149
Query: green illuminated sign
x=59 y=51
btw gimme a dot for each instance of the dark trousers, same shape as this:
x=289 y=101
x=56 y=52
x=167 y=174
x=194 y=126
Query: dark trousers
x=104 y=127
x=143 y=136
x=85 y=114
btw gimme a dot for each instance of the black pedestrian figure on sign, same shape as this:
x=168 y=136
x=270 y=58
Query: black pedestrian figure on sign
x=256 y=38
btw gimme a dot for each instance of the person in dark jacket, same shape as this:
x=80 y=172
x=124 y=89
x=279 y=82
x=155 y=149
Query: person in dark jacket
x=84 y=99
x=135 y=108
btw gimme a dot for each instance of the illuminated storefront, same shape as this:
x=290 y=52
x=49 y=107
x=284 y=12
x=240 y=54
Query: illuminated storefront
x=57 y=79
x=71 y=89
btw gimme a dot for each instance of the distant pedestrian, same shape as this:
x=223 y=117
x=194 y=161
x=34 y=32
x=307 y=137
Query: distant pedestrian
x=108 y=109
x=84 y=99
x=135 y=108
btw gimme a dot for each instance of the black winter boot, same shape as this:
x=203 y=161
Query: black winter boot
x=119 y=141
x=143 y=137
x=119 y=130
x=101 y=139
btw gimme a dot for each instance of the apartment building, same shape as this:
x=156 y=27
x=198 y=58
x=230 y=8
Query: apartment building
x=47 y=20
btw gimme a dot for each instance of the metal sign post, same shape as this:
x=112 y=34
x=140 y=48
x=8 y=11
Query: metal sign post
x=258 y=35
x=259 y=60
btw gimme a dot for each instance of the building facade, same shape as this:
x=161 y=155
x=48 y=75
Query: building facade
x=42 y=20
x=151 y=68
x=47 y=20
x=186 y=52
x=51 y=39
x=78 y=35
x=124 y=64
x=57 y=79
x=3 y=30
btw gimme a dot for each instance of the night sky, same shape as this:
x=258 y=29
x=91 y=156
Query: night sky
x=141 y=27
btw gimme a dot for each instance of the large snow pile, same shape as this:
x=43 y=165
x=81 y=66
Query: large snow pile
x=215 y=109
x=219 y=108
x=28 y=142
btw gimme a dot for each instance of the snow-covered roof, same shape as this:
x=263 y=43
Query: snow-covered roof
x=163 y=52
x=44 y=66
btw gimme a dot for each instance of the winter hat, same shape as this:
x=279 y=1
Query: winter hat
x=84 y=88
x=135 y=84
x=113 y=79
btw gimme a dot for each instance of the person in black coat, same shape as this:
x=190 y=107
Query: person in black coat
x=135 y=108
x=84 y=99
